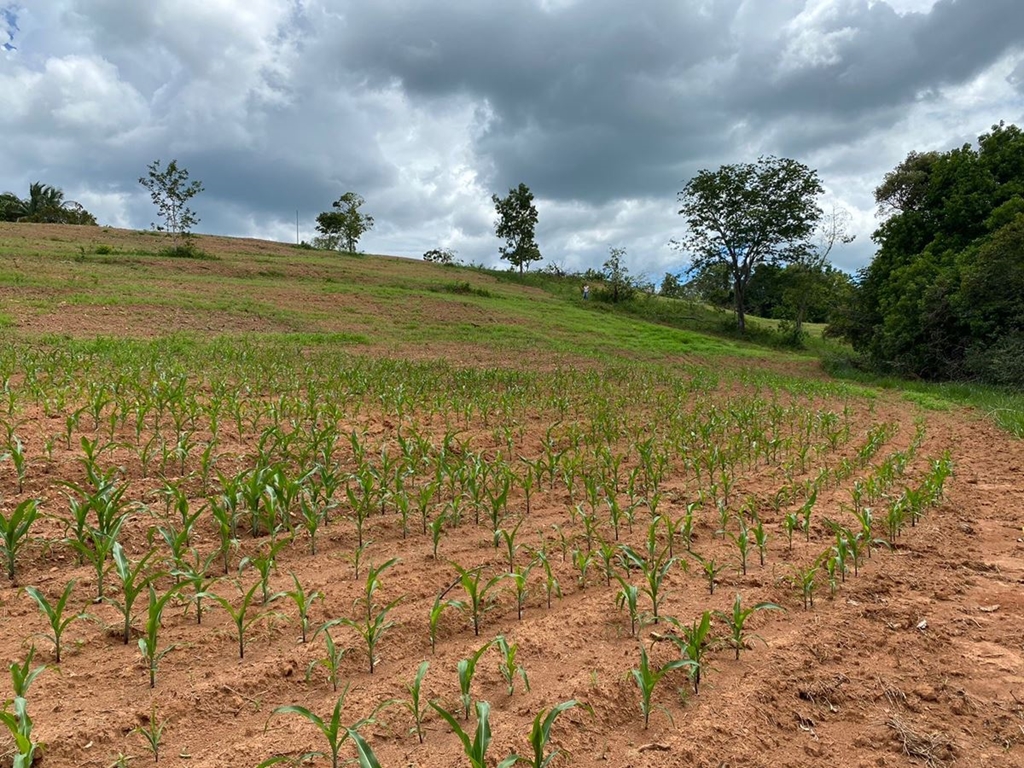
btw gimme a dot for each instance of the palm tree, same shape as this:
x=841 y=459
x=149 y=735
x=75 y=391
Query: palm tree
x=44 y=204
x=12 y=207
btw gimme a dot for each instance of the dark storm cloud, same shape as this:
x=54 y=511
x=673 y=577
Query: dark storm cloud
x=427 y=108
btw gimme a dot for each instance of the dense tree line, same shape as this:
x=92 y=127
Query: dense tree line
x=943 y=297
x=44 y=205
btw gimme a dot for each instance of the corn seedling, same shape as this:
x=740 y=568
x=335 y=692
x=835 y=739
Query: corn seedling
x=607 y=553
x=374 y=623
x=475 y=750
x=742 y=542
x=582 y=561
x=693 y=642
x=264 y=562
x=303 y=602
x=805 y=579
x=332 y=661
x=196 y=574
x=133 y=583
x=55 y=614
x=14 y=531
x=152 y=733
x=436 y=611
x=477 y=602
x=415 y=689
x=760 y=539
x=334 y=732
x=805 y=511
x=18 y=722
x=551 y=585
x=790 y=522
x=628 y=597
x=242 y=617
x=520 y=587
x=437 y=530
x=508 y=667
x=508 y=536
x=540 y=735
x=648 y=677
x=148 y=642
x=467 y=669
x=736 y=622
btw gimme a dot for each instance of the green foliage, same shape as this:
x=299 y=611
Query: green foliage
x=14 y=531
x=342 y=227
x=444 y=256
x=540 y=734
x=170 y=190
x=942 y=297
x=736 y=621
x=335 y=733
x=516 y=224
x=475 y=749
x=45 y=204
x=746 y=214
x=55 y=614
x=647 y=678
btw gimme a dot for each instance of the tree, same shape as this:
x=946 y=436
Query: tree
x=444 y=256
x=344 y=225
x=620 y=285
x=517 y=221
x=45 y=204
x=672 y=287
x=170 y=191
x=941 y=297
x=747 y=214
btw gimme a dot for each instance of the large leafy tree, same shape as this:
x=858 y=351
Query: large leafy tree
x=941 y=298
x=747 y=214
x=342 y=227
x=45 y=204
x=516 y=225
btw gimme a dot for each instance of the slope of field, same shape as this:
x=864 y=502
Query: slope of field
x=240 y=431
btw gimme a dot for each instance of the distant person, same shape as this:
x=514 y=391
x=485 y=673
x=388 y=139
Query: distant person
x=586 y=291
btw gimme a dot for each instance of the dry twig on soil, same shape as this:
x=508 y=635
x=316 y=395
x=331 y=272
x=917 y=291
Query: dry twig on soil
x=933 y=748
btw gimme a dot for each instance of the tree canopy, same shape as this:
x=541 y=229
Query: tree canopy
x=747 y=214
x=45 y=204
x=516 y=225
x=942 y=297
x=342 y=227
x=170 y=190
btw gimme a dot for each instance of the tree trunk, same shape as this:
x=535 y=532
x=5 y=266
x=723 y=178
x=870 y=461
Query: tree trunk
x=741 y=319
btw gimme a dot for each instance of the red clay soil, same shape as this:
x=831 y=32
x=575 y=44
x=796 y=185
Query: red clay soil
x=918 y=660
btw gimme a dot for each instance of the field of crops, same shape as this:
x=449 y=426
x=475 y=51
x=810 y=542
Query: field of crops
x=412 y=541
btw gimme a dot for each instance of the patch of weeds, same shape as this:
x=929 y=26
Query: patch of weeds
x=462 y=288
x=186 y=251
x=103 y=250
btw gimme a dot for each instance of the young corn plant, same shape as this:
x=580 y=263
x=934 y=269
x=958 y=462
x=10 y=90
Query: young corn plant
x=335 y=733
x=332 y=661
x=14 y=531
x=520 y=587
x=551 y=585
x=373 y=624
x=475 y=749
x=736 y=622
x=790 y=523
x=582 y=561
x=540 y=735
x=436 y=611
x=303 y=602
x=647 y=679
x=742 y=542
x=467 y=670
x=628 y=597
x=148 y=642
x=693 y=642
x=655 y=570
x=243 y=617
x=508 y=667
x=760 y=539
x=152 y=733
x=414 y=703
x=195 y=573
x=437 y=526
x=508 y=537
x=134 y=581
x=478 y=599
x=264 y=563
x=55 y=614
x=18 y=722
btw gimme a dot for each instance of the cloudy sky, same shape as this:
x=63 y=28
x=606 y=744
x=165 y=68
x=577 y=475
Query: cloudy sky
x=604 y=109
